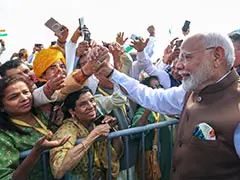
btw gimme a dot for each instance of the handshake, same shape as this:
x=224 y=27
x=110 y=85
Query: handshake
x=98 y=62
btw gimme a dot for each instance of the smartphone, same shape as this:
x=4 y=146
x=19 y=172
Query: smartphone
x=54 y=26
x=105 y=44
x=38 y=45
x=81 y=23
x=178 y=43
x=186 y=26
x=134 y=37
x=98 y=120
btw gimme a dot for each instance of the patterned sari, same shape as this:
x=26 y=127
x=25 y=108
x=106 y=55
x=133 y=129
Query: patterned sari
x=100 y=164
x=12 y=144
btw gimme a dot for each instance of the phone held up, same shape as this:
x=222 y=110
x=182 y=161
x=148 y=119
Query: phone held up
x=134 y=37
x=186 y=26
x=81 y=23
x=54 y=25
x=85 y=30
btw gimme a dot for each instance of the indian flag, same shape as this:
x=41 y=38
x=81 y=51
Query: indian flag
x=3 y=32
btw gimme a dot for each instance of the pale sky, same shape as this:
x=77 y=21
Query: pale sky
x=24 y=19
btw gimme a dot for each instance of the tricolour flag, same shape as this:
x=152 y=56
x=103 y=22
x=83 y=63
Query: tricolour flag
x=3 y=32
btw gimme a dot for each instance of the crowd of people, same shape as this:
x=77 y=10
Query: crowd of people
x=80 y=89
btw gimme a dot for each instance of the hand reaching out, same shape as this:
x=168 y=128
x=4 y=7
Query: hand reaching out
x=54 y=84
x=120 y=38
x=140 y=44
x=116 y=50
x=82 y=48
x=57 y=82
x=96 y=57
x=45 y=142
x=169 y=54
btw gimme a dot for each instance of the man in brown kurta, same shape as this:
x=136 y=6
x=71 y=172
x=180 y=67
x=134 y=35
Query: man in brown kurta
x=208 y=98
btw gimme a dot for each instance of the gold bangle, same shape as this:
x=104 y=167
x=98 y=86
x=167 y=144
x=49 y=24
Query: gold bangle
x=84 y=145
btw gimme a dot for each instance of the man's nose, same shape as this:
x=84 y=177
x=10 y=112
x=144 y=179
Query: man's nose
x=179 y=65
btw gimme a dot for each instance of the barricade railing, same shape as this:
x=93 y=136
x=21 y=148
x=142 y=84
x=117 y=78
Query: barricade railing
x=126 y=133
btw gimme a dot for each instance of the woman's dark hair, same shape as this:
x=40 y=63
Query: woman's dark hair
x=5 y=123
x=70 y=101
x=11 y=64
x=147 y=80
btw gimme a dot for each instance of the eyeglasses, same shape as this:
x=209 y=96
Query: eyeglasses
x=184 y=56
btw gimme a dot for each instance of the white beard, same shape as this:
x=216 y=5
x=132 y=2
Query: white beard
x=202 y=74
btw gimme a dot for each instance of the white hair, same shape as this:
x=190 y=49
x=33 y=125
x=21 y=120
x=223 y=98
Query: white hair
x=217 y=39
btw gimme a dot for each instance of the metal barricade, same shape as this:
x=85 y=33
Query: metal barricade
x=121 y=133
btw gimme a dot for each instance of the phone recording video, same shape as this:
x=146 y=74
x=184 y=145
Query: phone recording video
x=38 y=45
x=134 y=37
x=87 y=37
x=81 y=23
x=186 y=26
x=86 y=33
x=54 y=26
x=105 y=44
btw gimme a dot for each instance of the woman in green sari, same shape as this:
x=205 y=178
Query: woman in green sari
x=20 y=130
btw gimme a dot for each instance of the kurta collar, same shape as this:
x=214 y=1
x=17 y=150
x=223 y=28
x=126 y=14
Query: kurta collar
x=223 y=83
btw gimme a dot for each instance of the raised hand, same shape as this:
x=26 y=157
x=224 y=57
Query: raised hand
x=82 y=48
x=140 y=44
x=57 y=82
x=62 y=37
x=169 y=55
x=120 y=38
x=96 y=57
x=116 y=50
x=76 y=35
x=172 y=42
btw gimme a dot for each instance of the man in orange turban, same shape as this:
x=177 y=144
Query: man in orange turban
x=48 y=64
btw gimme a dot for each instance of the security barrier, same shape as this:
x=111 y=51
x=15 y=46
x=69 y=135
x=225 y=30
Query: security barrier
x=127 y=135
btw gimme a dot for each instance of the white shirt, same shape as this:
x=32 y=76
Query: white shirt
x=169 y=101
x=150 y=48
x=70 y=51
x=143 y=62
x=173 y=98
x=152 y=70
